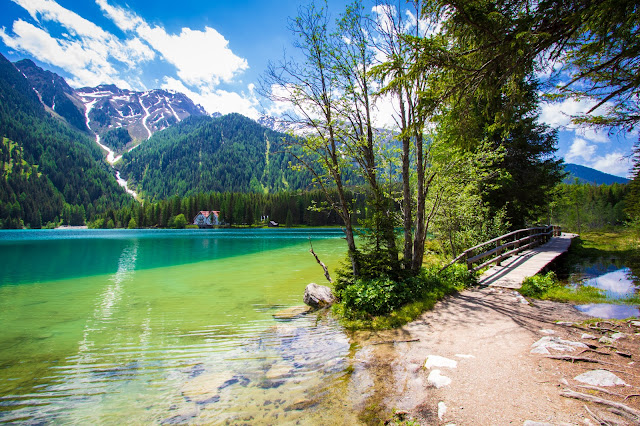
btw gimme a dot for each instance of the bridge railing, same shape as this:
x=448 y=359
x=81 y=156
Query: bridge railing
x=504 y=246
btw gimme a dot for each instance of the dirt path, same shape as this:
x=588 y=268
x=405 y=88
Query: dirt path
x=497 y=380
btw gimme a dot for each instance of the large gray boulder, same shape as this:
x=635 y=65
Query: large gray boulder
x=318 y=296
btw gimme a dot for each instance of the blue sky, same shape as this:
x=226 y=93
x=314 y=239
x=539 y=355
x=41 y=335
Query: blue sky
x=213 y=51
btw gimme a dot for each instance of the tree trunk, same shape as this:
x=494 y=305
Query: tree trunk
x=421 y=231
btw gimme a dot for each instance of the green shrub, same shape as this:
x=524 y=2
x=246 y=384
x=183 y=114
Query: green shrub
x=539 y=284
x=406 y=298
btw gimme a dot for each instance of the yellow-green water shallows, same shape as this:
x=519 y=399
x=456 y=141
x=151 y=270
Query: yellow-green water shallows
x=170 y=327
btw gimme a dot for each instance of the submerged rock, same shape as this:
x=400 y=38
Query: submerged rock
x=318 y=296
x=291 y=313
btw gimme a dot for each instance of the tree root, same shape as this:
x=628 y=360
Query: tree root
x=568 y=393
x=596 y=388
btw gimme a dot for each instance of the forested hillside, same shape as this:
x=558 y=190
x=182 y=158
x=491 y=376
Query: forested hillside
x=50 y=171
x=54 y=92
x=589 y=175
x=201 y=154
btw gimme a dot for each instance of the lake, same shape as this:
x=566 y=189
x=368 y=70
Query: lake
x=168 y=327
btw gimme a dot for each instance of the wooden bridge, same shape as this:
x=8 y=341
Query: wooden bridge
x=517 y=255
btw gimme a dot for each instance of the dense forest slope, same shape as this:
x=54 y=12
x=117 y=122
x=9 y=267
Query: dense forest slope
x=203 y=154
x=589 y=175
x=54 y=93
x=49 y=170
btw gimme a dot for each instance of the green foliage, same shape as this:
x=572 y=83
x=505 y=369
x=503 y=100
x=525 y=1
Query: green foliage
x=584 y=207
x=45 y=164
x=178 y=222
x=547 y=287
x=367 y=298
x=117 y=139
x=538 y=285
x=203 y=154
x=235 y=209
x=133 y=224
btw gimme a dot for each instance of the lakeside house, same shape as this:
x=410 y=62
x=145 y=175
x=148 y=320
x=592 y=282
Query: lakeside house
x=205 y=219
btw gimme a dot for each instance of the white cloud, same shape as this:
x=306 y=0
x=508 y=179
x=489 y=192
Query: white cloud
x=580 y=149
x=593 y=135
x=85 y=50
x=585 y=154
x=558 y=114
x=124 y=19
x=200 y=57
x=614 y=163
x=86 y=63
x=220 y=101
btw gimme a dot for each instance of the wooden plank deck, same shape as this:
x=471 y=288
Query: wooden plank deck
x=526 y=264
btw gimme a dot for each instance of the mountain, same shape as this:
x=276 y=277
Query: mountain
x=49 y=170
x=54 y=93
x=104 y=109
x=589 y=175
x=140 y=113
x=203 y=154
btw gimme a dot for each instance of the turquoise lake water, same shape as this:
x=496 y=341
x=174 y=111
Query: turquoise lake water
x=167 y=327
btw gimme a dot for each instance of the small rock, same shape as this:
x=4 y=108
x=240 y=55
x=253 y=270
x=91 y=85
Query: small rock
x=277 y=371
x=318 y=296
x=439 y=361
x=291 y=313
x=442 y=410
x=606 y=340
x=565 y=323
x=556 y=343
x=564 y=381
x=588 y=336
x=437 y=380
x=547 y=331
x=540 y=350
x=635 y=323
x=618 y=336
x=600 y=378
x=300 y=405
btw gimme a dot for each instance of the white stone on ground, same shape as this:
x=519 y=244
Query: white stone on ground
x=547 y=331
x=543 y=345
x=439 y=361
x=618 y=336
x=442 y=410
x=605 y=340
x=464 y=356
x=600 y=378
x=437 y=380
x=588 y=336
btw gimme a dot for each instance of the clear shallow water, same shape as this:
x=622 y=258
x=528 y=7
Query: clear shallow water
x=617 y=281
x=117 y=327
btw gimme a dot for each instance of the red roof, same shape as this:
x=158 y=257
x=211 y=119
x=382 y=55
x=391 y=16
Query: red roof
x=206 y=213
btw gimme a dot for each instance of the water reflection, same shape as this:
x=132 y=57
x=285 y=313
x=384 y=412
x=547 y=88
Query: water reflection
x=618 y=284
x=616 y=278
x=607 y=310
